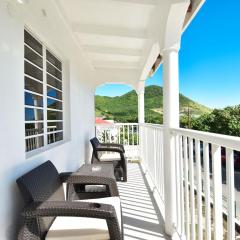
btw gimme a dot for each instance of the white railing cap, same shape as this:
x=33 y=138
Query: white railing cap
x=114 y=124
x=213 y=138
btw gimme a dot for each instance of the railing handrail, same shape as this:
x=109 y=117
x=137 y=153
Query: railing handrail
x=114 y=124
x=152 y=125
x=227 y=141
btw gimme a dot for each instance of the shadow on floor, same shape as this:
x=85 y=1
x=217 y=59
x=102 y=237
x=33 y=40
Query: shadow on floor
x=142 y=219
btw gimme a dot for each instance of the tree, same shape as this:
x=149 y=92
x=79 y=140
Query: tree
x=224 y=121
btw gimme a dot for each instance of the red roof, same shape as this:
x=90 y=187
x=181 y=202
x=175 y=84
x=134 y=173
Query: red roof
x=101 y=121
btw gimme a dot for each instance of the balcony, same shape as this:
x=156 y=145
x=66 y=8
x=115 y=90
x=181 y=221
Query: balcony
x=209 y=205
x=176 y=176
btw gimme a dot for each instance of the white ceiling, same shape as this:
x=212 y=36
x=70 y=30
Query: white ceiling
x=116 y=35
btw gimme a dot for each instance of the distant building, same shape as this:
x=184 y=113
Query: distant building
x=100 y=120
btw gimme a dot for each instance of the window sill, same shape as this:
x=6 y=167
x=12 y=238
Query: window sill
x=41 y=150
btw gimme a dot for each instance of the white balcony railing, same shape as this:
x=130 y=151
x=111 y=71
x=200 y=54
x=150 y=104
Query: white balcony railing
x=207 y=185
x=123 y=133
x=205 y=188
x=151 y=155
x=202 y=160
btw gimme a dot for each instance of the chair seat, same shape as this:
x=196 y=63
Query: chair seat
x=109 y=157
x=82 y=228
x=95 y=188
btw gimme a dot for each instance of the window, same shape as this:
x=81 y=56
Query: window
x=43 y=95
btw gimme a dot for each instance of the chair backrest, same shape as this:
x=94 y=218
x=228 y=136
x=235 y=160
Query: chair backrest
x=41 y=184
x=95 y=143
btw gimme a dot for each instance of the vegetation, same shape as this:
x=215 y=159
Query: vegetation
x=224 y=121
x=124 y=108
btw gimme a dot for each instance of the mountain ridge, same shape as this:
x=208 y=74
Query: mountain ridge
x=124 y=108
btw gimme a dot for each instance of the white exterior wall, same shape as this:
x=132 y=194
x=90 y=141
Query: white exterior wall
x=78 y=106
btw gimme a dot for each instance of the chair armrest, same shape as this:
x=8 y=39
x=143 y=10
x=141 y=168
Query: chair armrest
x=77 y=178
x=75 y=209
x=70 y=209
x=65 y=175
x=109 y=149
x=120 y=146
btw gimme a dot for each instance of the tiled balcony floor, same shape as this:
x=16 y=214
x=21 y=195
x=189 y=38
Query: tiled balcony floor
x=141 y=217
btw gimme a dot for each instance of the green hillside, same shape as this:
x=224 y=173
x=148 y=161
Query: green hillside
x=124 y=108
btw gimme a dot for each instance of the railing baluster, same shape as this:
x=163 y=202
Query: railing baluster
x=217 y=189
x=231 y=194
x=192 y=195
x=181 y=173
x=160 y=179
x=146 y=148
x=178 y=183
x=186 y=185
x=132 y=135
x=154 y=156
x=207 y=191
x=109 y=135
x=138 y=135
x=199 y=189
x=158 y=161
x=128 y=134
x=119 y=134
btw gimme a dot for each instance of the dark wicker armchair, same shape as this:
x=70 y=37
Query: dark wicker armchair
x=110 y=152
x=48 y=215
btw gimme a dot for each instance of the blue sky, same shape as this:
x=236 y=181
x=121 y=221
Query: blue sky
x=209 y=58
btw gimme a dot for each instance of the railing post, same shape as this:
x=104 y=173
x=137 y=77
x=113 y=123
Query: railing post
x=141 y=115
x=170 y=120
x=140 y=93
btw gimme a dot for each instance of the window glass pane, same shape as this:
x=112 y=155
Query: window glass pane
x=30 y=55
x=53 y=82
x=33 y=85
x=33 y=129
x=34 y=143
x=54 y=93
x=54 y=104
x=32 y=42
x=52 y=70
x=55 y=126
x=33 y=71
x=33 y=100
x=33 y=114
x=54 y=137
x=54 y=60
x=54 y=115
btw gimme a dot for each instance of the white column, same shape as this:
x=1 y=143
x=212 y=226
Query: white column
x=141 y=116
x=140 y=93
x=170 y=120
x=141 y=112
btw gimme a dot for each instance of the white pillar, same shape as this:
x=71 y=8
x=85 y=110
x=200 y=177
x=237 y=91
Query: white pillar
x=141 y=112
x=170 y=120
x=141 y=105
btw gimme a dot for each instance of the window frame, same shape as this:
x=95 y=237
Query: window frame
x=45 y=134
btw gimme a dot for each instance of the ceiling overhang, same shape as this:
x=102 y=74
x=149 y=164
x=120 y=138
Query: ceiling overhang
x=119 y=36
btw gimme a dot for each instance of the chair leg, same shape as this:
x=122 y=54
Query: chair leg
x=124 y=175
